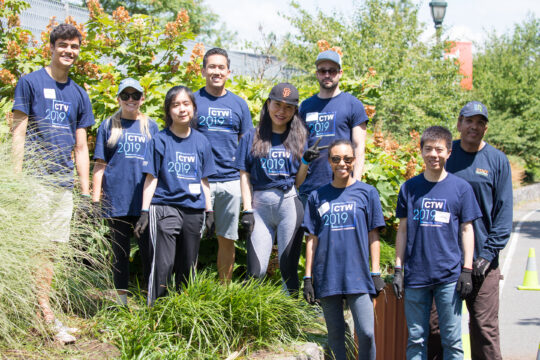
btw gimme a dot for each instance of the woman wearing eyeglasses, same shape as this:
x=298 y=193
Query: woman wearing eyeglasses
x=343 y=220
x=120 y=147
x=269 y=160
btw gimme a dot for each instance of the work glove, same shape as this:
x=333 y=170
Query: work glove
x=84 y=206
x=142 y=224
x=248 y=222
x=209 y=222
x=464 y=284
x=378 y=282
x=480 y=266
x=309 y=293
x=398 y=283
x=96 y=210
x=313 y=152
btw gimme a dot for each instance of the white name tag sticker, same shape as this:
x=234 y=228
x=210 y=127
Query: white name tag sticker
x=49 y=93
x=442 y=217
x=312 y=116
x=324 y=208
x=195 y=188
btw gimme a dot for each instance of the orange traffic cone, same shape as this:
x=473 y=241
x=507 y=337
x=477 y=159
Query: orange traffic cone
x=530 y=281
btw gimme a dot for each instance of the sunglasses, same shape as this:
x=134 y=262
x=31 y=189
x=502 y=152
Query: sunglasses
x=134 y=95
x=347 y=159
x=331 y=72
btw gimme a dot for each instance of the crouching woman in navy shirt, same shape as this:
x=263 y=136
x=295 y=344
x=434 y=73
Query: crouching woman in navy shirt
x=268 y=158
x=343 y=220
x=176 y=193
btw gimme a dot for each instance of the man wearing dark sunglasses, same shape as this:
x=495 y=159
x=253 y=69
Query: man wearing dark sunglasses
x=331 y=115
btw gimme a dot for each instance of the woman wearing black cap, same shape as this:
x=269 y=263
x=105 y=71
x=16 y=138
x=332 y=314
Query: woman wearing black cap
x=269 y=160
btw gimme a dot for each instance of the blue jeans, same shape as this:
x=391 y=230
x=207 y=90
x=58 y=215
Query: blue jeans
x=361 y=307
x=417 y=309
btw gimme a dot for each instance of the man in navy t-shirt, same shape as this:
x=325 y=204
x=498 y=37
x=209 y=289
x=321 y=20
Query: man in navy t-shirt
x=487 y=170
x=51 y=113
x=434 y=247
x=332 y=115
x=223 y=118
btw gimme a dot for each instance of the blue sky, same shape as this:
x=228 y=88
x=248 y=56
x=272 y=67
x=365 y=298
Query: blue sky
x=465 y=20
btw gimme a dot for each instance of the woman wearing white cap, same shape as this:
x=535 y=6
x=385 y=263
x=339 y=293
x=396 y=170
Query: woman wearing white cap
x=120 y=148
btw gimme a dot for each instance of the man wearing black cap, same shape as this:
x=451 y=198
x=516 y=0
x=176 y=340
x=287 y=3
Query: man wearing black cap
x=488 y=171
x=331 y=115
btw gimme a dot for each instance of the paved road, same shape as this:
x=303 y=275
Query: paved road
x=520 y=310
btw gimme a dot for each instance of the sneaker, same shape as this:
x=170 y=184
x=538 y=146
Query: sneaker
x=59 y=327
x=64 y=338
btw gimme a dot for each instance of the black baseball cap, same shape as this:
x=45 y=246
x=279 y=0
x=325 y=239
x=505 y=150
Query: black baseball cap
x=286 y=93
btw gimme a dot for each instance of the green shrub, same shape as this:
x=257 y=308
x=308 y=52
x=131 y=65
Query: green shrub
x=25 y=248
x=208 y=320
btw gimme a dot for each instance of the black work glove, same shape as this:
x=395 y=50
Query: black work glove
x=248 y=221
x=313 y=152
x=84 y=207
x=464 y=284
x=379 y=284
x=398 y=283
x=209 y=222
x=96 y=210
x=142 y=224
x=309 y=293
x=480 y=266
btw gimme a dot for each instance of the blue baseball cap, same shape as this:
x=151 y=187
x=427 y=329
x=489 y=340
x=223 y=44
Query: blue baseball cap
x=129 y=83
x=474 y=108
x=329 y=55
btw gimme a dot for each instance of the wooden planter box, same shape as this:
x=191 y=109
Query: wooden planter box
x=390 y=326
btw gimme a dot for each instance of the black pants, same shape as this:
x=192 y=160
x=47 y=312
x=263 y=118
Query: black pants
x=121 y=233
x=175 y=234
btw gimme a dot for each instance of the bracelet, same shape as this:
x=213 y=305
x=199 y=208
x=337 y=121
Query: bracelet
x=306 y=277
x=85 y=195
x=145 y=210
x=208 y=211
x=304 y=161
x=375 y=273
x=248 y=211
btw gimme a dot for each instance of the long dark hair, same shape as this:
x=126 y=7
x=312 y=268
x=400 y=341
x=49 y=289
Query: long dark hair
x=171 y=95
x=294 y=138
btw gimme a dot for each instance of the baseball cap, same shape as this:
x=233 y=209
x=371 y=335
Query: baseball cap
x=286 y=93
x=129 y=82
x=474 y=108
x=329 y=55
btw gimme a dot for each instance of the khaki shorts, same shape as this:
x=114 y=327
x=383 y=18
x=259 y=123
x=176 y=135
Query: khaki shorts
x=58 y=205
x=226 y=200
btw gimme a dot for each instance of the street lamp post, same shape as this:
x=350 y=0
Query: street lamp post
x=438 y=10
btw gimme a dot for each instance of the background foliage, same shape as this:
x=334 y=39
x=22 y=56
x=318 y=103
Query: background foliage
x=507 y=79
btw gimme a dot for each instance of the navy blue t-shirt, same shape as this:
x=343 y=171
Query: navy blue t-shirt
x=488 y=172
x=179 y=165
x=222 y=120
x=341 y=218
x=331 y=119
x=434 y=212
x=123 y=179
x=276 y=170
x=55 y=111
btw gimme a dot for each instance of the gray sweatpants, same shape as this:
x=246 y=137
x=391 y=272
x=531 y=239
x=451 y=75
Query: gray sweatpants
x=278 y=214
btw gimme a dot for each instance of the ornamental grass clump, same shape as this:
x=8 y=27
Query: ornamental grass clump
x=25 y=248
x=208 y=320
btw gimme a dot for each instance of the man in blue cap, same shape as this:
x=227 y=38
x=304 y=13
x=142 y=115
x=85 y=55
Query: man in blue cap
x=331 y=115
x=488 y=171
